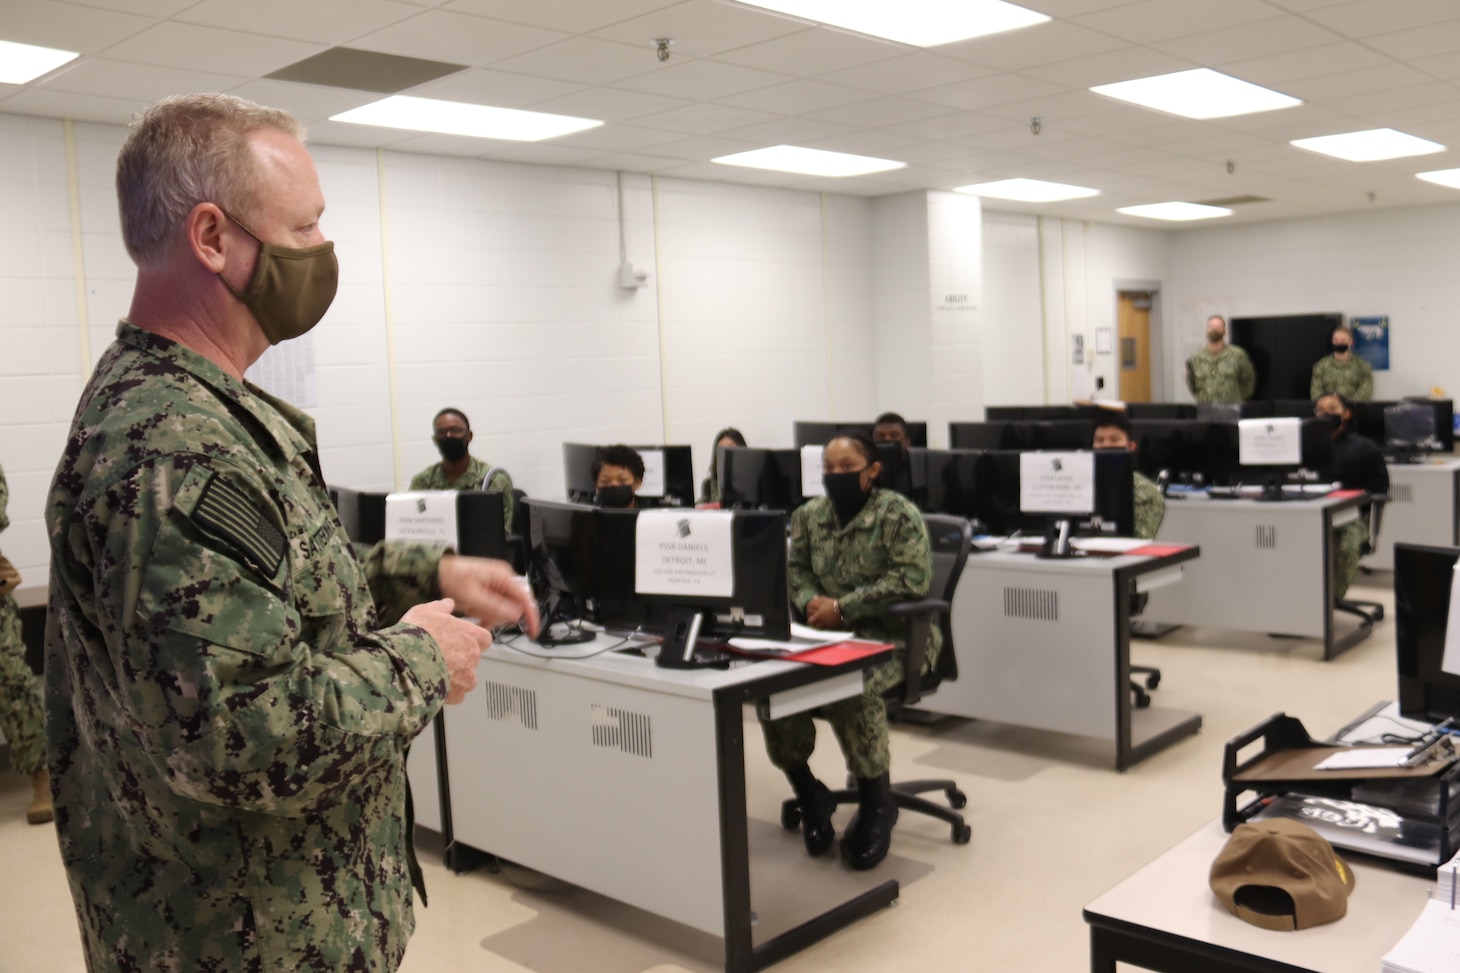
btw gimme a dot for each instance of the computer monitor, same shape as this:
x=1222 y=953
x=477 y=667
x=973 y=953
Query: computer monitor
x=1002 y=512
x=362 y=512
x=1038 y=413
x=1270 y=450
x=1062 y=434
x=759 y=479
x=1173 y=446
x=809 y=433
x=1410 y=428
x=560 y=564
x=951 y=481
x=677 y=487
x=481 y=528
x=1159 y=410
x=1291 y=408
x=1423 y=580
x=578 y=478
x=993 y=434
x=1233 y=411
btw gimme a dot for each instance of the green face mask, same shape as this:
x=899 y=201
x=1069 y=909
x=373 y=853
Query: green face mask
x=291 y=287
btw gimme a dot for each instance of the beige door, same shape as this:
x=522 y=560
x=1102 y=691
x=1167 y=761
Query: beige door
x=1133 y=353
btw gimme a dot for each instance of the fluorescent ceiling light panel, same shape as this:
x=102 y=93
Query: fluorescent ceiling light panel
x=1441 y=177
x=20 y=63
x=1373 y=145
x=810 y=162
x=1179 y=212
x=921 y=23
x=1198 y=93
x=460 y=118
x=1028 y=190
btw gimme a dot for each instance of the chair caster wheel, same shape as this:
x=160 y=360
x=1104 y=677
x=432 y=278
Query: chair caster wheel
x=1379 y=614
x=1153 y=680
x=957 y=800
x=1143 y=698
x=962 y=834
x=790 y=816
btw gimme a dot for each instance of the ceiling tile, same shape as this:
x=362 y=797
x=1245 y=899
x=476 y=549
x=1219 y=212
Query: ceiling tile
x=702 y=119
x=486 y=87
x=1389 y=102
x=83 y=108
x=124 y=79
x=813 y=52
x=608 y=104
x=548 y=154
x=951 y=125
x=438 y=35
x=210 y=49
x=582 y=59
x=1368 y=18
x=1031 y=47
x=143 y=8
x=1154 y=20
x=864 y=142
x=318 y=21
x=907 y=72
x=983 y=92
x=796 y=97
x=701 y=80
x=879 y=112
x=359 y=136
x=312 y=103
x=66 y=26
x=1429 y=41
x=1278 y=35
x=785 y=131
x=701 y=28
x=1311 y=62
x=617 y=138
x=1446 y=66
x=1377 y=78
x=569 y=16
x=704 y=148
x=1121 y=65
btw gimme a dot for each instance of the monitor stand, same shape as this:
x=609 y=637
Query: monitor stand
x=1057 y=539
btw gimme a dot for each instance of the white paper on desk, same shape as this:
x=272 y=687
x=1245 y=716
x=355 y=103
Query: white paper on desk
x=1450 y=662
x=1108 y=545
x=679 y=552
x=422 y=517
x=1365 y=758
x=811 y=472
x=806 y=633
x=1432 y=944
x=772 y=645
x=1270 y=442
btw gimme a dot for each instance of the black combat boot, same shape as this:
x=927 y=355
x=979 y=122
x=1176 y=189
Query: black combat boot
x=870 y=834
x=817 y=807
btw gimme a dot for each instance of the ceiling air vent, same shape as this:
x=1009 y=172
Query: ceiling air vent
x=1234 y=201
x=346 y=67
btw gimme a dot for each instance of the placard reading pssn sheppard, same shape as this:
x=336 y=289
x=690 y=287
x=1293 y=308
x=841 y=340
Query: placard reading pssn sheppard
x=681 y=552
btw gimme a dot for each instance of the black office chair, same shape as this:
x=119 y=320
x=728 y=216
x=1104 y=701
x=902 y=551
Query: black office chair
x=1368 y=611
x=952 y=538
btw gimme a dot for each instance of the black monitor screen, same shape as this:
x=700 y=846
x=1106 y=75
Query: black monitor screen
x=480 y=528
x=1159 y=410
x=952 y=484
x=820 y=433
x=767 y=479
x=1284 y=350
x=1316 y=440
x=1174 y=446
x=1001 y=512
x=560 y=537
x=1064 y=434
x=1422 y=582
x=679 y=476
x=994 y=434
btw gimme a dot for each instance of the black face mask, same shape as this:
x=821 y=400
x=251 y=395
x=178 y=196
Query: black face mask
x=615 y=496
x=845 y=492
x=452 y=449
x=1341 y=349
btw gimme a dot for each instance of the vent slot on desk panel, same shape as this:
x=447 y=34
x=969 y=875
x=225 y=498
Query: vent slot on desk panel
x=1266 y=537
x=1401 y=493
x=512 y=704
x=1032 y=603
x=619 y=729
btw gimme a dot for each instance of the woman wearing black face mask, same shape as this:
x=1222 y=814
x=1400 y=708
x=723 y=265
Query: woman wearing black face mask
x=853 y=553
x=618 y=473
x=458 y=469
x=1343 y=371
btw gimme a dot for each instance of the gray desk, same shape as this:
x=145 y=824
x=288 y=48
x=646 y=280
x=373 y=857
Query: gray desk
x=1165 y=918
x=1046 y=644
x=1265 y=567
x=629 y=780
x=1423 y=508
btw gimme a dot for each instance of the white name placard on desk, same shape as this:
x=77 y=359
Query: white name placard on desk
x=1057 y=483
x=653 y=473
x=1270 y=442
x=421 y=517
x=679 y=552
x=811 y=485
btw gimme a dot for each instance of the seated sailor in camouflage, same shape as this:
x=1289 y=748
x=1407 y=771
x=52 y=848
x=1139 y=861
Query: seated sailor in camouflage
x=21 y=719
x=1220 y=372
x=458 y=469
x=710 y=486
x=230 y=694
x=1343 y=371
x=1357 y=464
x=854 y=551
x=1113 y=431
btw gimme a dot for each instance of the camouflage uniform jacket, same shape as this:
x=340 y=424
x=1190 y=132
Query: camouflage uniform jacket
x=1353 y=379
x=1150 y=507
x=4 y=501
x=881 y=557
x=1226 y=376
x=227 y=719
x=433 y=477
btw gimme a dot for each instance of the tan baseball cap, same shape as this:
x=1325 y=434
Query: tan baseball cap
x=1281 y=875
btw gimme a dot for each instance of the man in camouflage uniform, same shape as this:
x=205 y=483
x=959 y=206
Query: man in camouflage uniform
x=458 y=469
x=21 y=719
x=852 y=555
x=228 y=711
x=1220 y=372
x=1113 y=431
x=1356 y=464
x=1343 y=371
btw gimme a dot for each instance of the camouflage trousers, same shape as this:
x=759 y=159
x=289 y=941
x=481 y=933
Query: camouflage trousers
x=860 y=725
x=1348 y=541
x=20 y=702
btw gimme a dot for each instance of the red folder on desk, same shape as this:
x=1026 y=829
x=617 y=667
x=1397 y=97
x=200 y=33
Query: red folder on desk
x=1159 y=550
x=1345 y=494
x=837 y=654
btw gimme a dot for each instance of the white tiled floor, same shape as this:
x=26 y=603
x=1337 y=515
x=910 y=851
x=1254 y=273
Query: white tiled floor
x=1052 y=829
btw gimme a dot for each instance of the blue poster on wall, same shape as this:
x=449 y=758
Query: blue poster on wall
x=1371 y=341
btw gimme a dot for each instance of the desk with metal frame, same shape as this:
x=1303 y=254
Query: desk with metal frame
x=1045 y=643
x=628 y=780
x=1423 y=508
x=1265 y=567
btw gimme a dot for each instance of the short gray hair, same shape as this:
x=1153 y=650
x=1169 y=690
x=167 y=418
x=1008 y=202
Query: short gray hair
x=184 y=150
